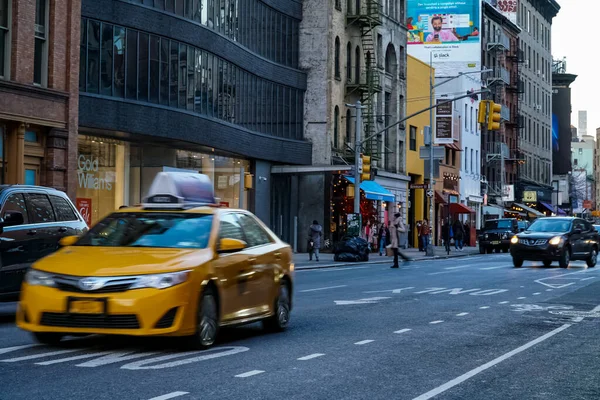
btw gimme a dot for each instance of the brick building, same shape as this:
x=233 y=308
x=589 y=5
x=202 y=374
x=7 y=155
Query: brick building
x=39 y=72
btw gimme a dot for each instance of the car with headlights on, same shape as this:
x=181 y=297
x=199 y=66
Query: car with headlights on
x=496 y=234
x=178 y=265
x=552 y=239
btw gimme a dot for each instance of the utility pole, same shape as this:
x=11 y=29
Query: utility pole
x=357 y=158
x=429 y=249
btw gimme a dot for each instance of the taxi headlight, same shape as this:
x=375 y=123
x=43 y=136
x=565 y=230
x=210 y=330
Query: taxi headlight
x=33 y=277
x=161 y=281
x=514 y=240
x=555 y=241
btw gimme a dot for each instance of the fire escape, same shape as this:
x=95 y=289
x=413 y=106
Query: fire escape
x=517 y=120
x=497 y=150
x=367 y=16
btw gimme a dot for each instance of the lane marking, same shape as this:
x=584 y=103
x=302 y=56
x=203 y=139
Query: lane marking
x=81 y=357
x=363 y=342
x=459 y=267
x=396 y=291
x=536 y=293
x=484 y=307
x=249 y=373
x=42 y=355
x=171 y=395
x=403 y=330
x=587 y=279
x=456 y=381
x=549 y=290
x=371 y=300
x=15 y=348
x=462 y=314
x=489 y=268
x=310 y=356
x=323 y=288
x=336 y=269
x=436 y=322
x=559 y=277
x=521 y=298
x=504 y=302
x=443 y=272
x=197 y=356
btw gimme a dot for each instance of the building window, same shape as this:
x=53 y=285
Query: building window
x=349 y=62
x=413 y=138
x=357 y=65
x=4 y=37
x=465 y=117
x=348 y=127
x=338 y=5
x=40 y=58
x=337 y=58
x=336 y=127
x=466 y=166
x=471 y=169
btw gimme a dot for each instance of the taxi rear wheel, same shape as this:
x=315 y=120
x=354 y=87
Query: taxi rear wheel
x=207 y=325
x=280 y=319
x=48 y=338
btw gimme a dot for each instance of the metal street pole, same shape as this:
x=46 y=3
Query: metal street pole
x=357 y=151
x=429 y=249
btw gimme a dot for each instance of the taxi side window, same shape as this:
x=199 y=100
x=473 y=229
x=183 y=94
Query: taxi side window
x=16 y=202
x=255 y=234
x=230 y=228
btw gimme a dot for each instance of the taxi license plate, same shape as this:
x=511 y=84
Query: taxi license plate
x=86 y=307
x=496 y=242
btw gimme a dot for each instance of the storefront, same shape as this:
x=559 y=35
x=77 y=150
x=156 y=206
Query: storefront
x=112 y=173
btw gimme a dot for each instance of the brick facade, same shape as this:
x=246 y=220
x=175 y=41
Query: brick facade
x=51 y=112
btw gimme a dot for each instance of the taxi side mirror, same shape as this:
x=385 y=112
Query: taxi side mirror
x=231 y=245
x=68 y=241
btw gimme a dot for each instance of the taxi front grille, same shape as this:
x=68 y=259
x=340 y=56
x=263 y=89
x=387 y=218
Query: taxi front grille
x=109 y=285
x=114 y=321
x=73 y=288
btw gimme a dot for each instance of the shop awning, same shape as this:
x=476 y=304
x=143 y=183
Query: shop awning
x=529 y=210
x=374 y=191
x=453 y=146
x=553 y=209
x=440 y=198
x=458 y=208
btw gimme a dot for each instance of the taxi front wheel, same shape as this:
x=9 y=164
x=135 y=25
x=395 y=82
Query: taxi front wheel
x=281 y=318
x=207 y=325
x=48 y=338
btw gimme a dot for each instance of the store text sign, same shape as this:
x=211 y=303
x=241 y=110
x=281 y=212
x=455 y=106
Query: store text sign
x=84 y=206
x=88 y=173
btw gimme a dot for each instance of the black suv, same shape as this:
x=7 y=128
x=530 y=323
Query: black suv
x=33 y=219
x=559 y=239
x=496 y=234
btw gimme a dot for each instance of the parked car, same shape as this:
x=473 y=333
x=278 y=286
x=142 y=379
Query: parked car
x=33 y=221
x=559 y=239
x=496 y=234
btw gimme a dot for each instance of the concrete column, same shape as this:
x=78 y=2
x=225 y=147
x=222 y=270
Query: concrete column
x=15 y=154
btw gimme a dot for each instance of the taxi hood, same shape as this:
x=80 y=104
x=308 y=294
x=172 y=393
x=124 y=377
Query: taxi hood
x=121 y=261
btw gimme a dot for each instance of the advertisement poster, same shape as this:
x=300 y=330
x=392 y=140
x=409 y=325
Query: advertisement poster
x=508 y=8
x=445 y=32
x=84 y=206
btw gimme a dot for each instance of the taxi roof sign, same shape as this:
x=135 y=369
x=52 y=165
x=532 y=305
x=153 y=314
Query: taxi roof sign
x=180 y=189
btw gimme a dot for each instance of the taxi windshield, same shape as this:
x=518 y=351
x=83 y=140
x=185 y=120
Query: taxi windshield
x=163 y=230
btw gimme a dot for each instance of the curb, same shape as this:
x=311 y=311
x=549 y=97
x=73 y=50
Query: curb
x=342 y=264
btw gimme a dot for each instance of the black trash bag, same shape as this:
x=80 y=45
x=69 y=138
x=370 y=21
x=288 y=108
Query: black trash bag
x=355 y=246
x=346 y=257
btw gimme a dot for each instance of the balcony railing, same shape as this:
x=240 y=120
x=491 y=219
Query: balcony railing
x=500 y=74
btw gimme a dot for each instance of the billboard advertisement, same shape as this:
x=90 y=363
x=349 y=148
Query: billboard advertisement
x=508 y=8
x=445 y=33
x=561 y=131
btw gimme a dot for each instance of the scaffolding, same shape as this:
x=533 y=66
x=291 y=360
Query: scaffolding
x=367 y=16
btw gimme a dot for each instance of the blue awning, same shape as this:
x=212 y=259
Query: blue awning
x=552 y=208
x=374 y=191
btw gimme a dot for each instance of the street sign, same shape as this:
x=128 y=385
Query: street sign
x=438 y=152
x=430 y=193
x=360 y=166
x=418 y=186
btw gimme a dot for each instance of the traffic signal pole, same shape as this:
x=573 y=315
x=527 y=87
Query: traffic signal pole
x=357 y=158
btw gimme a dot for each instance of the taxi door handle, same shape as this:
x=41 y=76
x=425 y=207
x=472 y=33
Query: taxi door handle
x=277 y=256
x=252 y=260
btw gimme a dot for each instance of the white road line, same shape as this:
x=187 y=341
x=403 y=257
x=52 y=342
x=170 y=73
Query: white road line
x=403 y=330
x=15 y=348
x=336 y=269
x=489 y=268
x=504 y=302
x=74 y=358
x=41 y=355
x=363 y=342
x=323 y=288
x=310 y=356
x=442 y=272
x=549 y=290
x=171 y=395
x=459 y=267
x=536 y=293
x=249 y=373
x=462 y=314
x=591 y=277
x=484 y=307
x=473 y=372
x=521 y=298
x=436 y=322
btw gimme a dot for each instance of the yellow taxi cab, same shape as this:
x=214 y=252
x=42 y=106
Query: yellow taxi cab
x=178 y=265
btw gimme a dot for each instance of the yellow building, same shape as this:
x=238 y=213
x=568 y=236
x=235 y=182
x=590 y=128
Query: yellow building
x=418 y=74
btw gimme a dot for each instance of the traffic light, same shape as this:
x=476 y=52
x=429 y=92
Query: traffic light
x=366 y=168
x=483 y=105
x=494 y=116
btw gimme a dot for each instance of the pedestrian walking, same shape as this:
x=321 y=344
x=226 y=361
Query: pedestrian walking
x=384 y=238
x=398 y=227
x=446 y=228
x=467 y=241
x=314 y=238
x=459 y=234
x=420 y=235
x=425 y=232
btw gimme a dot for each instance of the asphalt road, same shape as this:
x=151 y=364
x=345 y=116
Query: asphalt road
x=469 y=328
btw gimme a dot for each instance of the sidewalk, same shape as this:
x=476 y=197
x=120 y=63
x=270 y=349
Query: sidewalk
x=326 y=259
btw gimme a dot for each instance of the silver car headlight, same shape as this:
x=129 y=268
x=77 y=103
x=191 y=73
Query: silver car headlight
x=161 y=281
x=33 y=277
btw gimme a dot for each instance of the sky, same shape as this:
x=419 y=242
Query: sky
x=573 y=37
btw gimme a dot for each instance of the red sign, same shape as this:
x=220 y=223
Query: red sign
x=84 y=206
x=224 y=204
x=587 y=204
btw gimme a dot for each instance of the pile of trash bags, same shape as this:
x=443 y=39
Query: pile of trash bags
x=351 y=249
